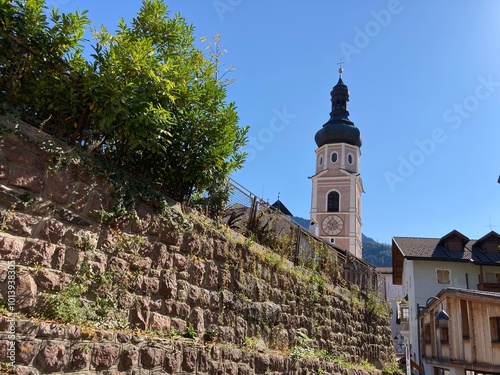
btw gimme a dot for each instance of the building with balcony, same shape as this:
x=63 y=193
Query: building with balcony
x=469 y=342
x=426 y=266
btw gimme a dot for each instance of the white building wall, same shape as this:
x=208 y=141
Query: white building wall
x=420 y=283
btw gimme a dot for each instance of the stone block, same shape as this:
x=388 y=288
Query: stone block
x=10 y=248
x=168 y=285
x=159 y=322
x=172 y=362
x=18 y=154
x=37 y=252
x=197 y=271
x=26 y=350
x=140 y=313
x=105 y=356
x=180 y=262
x=129 y=358
x=58 y=186
x=159 y=255
x=70 y=217
x=261 y=363
x=118 y=265
x=50 y=330
x=191 y=243
x=211 y=276
x=196 y=319
x=3 y=272
x=52 y=357
x=51 y=280
x=26 y=179
x=27 y=327
x=183 y=288
x=178 y=325
x=80 y=358
x=150 y=285
x=151 y=357
x=193 y=295
x=73 y=258
x=4 y=350
x=220 y=250
x=189 y=357
x=26 y=292
x=156 y=304
x=52 y=231
x=231 y=368
x=169 y=236
x=74 y=332
x=19 y=223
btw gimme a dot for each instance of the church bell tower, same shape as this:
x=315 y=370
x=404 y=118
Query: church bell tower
x=336 y=184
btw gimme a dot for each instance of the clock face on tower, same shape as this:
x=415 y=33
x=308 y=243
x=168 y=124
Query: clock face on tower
x=332 y=225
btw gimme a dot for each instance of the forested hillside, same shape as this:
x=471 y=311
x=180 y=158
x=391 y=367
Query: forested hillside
x=375 y=253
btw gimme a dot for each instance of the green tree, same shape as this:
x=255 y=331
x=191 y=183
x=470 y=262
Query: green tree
x=147 y=100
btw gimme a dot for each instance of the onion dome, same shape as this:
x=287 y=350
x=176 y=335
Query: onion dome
x=339 y=129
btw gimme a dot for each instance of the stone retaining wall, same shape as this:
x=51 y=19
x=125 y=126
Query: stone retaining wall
x=154 y=278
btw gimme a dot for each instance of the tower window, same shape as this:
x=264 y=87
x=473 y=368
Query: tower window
x=333 y=202
x=350 y=158
x=334 y=157
x=320 y=161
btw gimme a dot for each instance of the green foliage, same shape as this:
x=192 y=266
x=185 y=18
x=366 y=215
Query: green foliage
x=67 y=305
x=377 y=307
x=250 y=342
x=211 y=334
x=393 y=369
x=303 y=349
x=89 y=297
x=190 y=332
x=147 y=100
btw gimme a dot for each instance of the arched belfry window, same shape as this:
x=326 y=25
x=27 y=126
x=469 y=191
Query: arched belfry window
x=333 y=202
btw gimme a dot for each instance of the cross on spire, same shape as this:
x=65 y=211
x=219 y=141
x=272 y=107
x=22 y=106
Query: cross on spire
x=340 y=66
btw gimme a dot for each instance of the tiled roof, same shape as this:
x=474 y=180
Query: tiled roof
x=429 y=248
x=473 y=292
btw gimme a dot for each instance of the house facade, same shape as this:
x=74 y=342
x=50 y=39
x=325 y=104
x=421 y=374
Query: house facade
x=469 y=342
x=425 y=266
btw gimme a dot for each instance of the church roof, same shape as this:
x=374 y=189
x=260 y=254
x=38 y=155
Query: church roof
x=281 y=207
x=339 y=129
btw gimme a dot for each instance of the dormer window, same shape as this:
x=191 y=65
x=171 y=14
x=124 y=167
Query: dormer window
x=489 y=243
x=454 y=241
x=454 y=245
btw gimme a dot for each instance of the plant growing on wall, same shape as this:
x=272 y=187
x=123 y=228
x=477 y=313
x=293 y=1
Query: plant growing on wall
x=147 y=99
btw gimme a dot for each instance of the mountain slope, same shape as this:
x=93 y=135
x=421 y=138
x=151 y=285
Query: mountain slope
x=375 y=253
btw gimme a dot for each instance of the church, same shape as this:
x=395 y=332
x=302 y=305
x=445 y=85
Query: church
x=336 y=184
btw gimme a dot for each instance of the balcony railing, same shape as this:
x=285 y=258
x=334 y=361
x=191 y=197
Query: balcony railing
x=489 y=282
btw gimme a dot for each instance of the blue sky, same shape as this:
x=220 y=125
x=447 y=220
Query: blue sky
x=424 y=79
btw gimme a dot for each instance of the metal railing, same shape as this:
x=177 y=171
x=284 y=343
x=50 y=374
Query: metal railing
x=255 y=218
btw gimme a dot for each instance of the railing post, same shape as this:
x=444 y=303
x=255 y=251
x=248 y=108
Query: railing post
x=253 y=214
x=297 y=246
